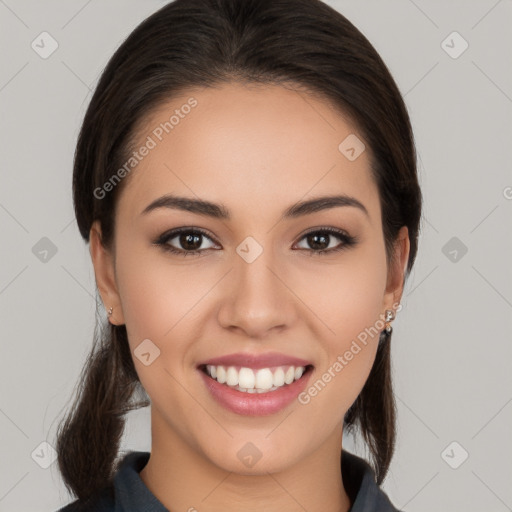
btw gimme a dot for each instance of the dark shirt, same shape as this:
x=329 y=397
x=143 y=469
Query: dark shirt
x=130 y=493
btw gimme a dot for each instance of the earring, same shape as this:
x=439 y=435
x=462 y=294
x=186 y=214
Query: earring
x=110 y=311
x=390 y=315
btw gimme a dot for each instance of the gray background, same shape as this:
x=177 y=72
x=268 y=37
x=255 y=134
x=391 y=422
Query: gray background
x=452 y=344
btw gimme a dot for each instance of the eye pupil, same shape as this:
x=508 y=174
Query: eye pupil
x=313 y=240
x=188 y=239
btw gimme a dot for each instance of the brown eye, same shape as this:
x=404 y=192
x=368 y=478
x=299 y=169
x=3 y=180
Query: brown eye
x=188 y=241
x=321 y=241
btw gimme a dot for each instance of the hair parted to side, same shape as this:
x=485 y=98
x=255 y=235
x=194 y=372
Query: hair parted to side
x=203 y=43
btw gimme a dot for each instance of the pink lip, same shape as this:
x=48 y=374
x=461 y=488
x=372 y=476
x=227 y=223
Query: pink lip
x=256 y=361
x=256 y=404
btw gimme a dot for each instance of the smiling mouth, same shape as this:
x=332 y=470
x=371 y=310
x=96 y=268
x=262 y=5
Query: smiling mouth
x=261 y=380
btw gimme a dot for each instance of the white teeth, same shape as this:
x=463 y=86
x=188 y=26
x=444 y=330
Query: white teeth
x=278 y=377
x=221 y=374
x=255 y=390
x=262 y=380
x=232 y=377
x=246 y=378
x=289 y=376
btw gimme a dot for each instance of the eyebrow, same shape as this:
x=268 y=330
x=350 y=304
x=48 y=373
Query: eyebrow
x=219 y=211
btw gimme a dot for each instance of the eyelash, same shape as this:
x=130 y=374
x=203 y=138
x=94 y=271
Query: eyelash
x=163 y=240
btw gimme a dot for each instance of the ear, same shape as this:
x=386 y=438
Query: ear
x=103 y=262
x=396 y=271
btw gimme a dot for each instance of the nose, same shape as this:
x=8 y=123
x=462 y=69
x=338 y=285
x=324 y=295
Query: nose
x=257 y=299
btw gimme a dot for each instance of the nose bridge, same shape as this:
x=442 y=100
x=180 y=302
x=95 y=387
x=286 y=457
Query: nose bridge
x=257 y=277
x=258 y=300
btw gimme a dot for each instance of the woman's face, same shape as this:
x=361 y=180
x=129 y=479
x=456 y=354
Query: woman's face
x=258 y=286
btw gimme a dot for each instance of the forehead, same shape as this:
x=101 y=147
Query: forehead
x=248 y=146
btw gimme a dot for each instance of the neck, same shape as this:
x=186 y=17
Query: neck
x=184 y=479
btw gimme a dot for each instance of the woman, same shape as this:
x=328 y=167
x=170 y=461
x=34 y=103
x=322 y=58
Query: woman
x=246 y=178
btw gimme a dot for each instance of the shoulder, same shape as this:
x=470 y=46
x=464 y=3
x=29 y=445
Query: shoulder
x=128 y=491
x=102 y=502
x=361 y=486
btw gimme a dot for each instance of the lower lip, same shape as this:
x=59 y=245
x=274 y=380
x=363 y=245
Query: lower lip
x=255 y=404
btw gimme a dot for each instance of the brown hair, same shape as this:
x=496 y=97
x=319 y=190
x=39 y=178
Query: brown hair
x=204 y=43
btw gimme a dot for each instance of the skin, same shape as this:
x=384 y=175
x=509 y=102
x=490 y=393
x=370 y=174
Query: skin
x=257 y=150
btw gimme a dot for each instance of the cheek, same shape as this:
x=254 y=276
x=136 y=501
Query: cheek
x=158 y=299
x=345 y=296
x=348 y=300
x=159 y=296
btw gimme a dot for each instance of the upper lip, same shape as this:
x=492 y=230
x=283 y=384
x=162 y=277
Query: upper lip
x=256 y=360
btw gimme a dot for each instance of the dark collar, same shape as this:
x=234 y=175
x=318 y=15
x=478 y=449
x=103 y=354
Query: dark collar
x=361 y=486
